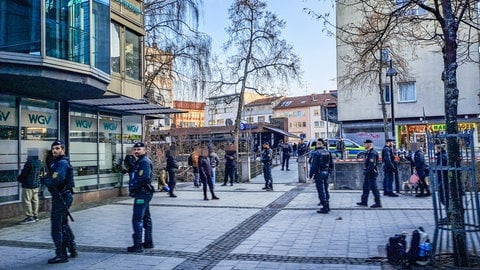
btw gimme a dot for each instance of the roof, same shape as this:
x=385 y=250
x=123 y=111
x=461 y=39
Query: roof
x=307 y=101
x=188 y=105
x=263 y=101
x=125 y=105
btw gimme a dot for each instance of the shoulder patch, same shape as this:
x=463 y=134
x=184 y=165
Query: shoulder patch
x=54 y=175
x=140 y=172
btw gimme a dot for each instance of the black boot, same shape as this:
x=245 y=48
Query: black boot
x=72 y=248
x=324 y=209
x=327 y=205
x=172 y=194
x=137 y=244
x=61 y=257
x=214 y=197
x=147 y=244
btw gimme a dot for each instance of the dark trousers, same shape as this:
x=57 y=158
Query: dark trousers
x=285 y=160
x=267 y=175
x=62 y=234
x=172 y=179
x=321 y=183
x=229 y=173
x=209 y=183
x=370 y=184
x=388 y=181
x=141 y=219
x=443 y=188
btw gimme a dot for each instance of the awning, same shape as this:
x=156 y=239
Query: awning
x=281 y=131
x=126 y=105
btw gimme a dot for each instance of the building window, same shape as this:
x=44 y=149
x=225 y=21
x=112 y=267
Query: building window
x=261 y=119
x=115 y=47
x=316 y=124
x=20 y=26
x=316 y=112
x=407 y=92
x=100 y=33
x=386 y=94
x=132 y=55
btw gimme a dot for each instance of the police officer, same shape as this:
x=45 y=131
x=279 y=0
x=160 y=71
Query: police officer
x=388 y=168
x=60 y=184
x=287 y=150
x=320 y=167
x=141 y=189
x=301 y=148
x=370 y=173
x=267 y=156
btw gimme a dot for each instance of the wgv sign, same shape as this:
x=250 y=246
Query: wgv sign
x=7 y=117
x=78 y=123
x=38 y=119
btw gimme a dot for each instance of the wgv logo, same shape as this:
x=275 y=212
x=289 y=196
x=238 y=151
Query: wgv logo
x=132 y=128
x=110 y=126
x=39 y=119
x=4 y=116
x=83 y=123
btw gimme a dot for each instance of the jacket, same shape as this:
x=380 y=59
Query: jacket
x=30 y=175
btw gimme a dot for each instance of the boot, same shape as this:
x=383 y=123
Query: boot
x=147 y=244
x=205 y=198
x=324 y=209
x=61 y=257
x=327 y=205
x=214 y=197
x=72 y=248
x=137 y=244
x=172 y=194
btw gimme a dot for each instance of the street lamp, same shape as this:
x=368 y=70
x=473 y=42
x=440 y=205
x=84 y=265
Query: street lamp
x=326 y=113
x=391 y=72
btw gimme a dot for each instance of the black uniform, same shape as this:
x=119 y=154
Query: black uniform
x=370 y=179
x=320 y=168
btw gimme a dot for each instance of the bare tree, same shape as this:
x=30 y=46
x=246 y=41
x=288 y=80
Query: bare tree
x=172 y=27
x=261 y=61
x=451 y=25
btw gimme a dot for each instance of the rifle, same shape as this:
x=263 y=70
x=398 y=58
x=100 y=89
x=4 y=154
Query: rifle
x=64 y=205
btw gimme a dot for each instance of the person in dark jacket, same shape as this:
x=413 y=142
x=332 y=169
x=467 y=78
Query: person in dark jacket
x=421 y=169
x=230 y=166
x=129 y=163
x=286 y=150
x=172 y=168
x=370 y=173
x=206 y=173
x=266 y=158
x=30 y=180
x=302 y=148
x=388 y=168
x=141 y=189
x=320 y=167
x=441 y=161
x=60 y=183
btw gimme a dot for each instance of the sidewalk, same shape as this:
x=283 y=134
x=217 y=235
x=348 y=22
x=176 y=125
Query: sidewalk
x=248 y=228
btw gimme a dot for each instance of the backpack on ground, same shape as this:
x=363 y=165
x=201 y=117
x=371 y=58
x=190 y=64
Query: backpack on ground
x=397 y=249
x=420 y=250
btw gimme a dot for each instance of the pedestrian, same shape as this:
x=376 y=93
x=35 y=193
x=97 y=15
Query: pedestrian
x=172 y=167
x=30 y=180
x=441 y=160
x=214 y=161
x=230 y=166
x=141 y=189
x=396 y=163
x=266 y=158
x=421 y=170
x=388 y=168
x=370 y=173
x=193 y=161
x=60 y=184
x=129 y=163
x=286 y=150
x=294 y=148
x=320 y=167
x=206 y=174
x=340 y=147
x=302 y=148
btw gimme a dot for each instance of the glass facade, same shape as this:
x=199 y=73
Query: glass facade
x=132 y=55
x=115 y=47
x=75 y=30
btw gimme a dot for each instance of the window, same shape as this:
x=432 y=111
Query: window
x=20 y=26
x=316 y=112
x=316 y=124
x=100 y=33
x=115 y=47
x=409 y=9
x=132 y=55
x=407 y=92
x=386 y=94
x=261 y=119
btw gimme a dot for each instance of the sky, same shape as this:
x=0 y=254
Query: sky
x=315 y=49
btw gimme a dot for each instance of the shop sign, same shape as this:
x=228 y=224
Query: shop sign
x=126 y=4
x=131 y=128
x=438 y=127
x=7 y=117
x=78 y=123
x=110 y=126
x=38 y=119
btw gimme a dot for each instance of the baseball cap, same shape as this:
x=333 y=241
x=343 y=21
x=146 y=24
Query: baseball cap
x=139 y=144
x=57 y=142
x=368 y=141
x=390 y=140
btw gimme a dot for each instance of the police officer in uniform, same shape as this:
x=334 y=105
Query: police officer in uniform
x=320 y=167
x=141 y=189
x=370 y=173
x=60 y=183
x=389 y=168
x=267 y=156
x=301 y=148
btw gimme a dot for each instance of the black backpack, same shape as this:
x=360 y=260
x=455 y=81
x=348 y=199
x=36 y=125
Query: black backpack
x=397 y=249
x=420 y=248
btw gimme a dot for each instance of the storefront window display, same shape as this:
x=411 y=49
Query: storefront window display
x=110 y=151
x=9 y=189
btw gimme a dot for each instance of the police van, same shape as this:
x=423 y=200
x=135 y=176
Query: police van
x=353 y=149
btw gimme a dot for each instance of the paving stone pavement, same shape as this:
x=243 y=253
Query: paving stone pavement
x=248 y=228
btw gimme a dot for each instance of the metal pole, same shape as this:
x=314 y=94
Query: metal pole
x=391 y=103
x=326 y=119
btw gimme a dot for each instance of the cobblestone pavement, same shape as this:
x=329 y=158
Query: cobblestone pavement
x=248 y=228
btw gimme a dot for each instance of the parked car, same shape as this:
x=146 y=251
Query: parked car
x=354 y=150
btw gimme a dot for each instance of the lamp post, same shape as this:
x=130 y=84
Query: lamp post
x=326 y=113
x=391 y=72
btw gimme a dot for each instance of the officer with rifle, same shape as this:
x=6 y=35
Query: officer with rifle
x=60 y=183
x=321 y=166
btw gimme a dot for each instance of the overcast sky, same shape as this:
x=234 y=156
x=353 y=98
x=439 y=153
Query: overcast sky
x=315 y=49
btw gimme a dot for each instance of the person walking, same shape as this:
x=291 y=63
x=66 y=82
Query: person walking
x=206 y=174
x=172 y=167
x=193 y=161
x=320 y=167
x=421 y=169
x=60 y=184
x=370 y=173
x=30 y=180
x=214 y=161
x=388 y=168
x=230 y=166
x=266 y=158
x=286 y=149
x=340 y=147
x=141 y=189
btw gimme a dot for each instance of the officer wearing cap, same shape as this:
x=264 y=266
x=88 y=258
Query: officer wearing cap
x=388 y=168
x=60 y=183
x=141 y=189
x=370 y=173
x=320 y=167
x=266 y=158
